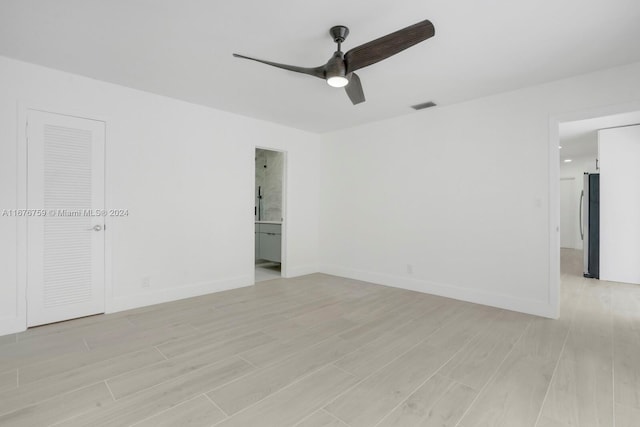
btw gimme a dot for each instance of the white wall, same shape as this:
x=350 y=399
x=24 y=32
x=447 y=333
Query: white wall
x=185 y=173
x=575 y=170
x=460 y=193
x=619 y=151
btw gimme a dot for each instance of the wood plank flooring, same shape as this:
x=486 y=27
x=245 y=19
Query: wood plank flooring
x=326 y=351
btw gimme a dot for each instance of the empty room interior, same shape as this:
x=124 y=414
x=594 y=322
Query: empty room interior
x=347 y=214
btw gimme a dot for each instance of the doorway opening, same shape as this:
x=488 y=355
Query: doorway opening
x=589 y=212
x=269 y=214
x=578 y=157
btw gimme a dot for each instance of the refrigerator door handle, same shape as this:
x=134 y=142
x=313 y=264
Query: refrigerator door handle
x=581 y=224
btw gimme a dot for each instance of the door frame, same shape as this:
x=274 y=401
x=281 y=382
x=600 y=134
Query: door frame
x=23 y=109
x=284 y=238
x=554 y=186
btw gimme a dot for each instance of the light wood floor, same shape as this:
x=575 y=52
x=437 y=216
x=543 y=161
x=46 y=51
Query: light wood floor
x=325 y=351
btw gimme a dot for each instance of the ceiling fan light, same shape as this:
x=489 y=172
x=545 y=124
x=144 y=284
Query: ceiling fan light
x=337 y=81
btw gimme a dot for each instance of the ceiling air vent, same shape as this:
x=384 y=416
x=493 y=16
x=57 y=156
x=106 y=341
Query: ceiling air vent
x=424 y=105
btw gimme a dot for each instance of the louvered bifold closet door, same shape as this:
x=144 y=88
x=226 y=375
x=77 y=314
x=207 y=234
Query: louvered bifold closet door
x=65 y=229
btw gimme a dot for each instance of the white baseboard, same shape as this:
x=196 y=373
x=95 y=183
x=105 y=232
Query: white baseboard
x=174 y=294
x=302 y=271
x=12 y=325
x=537 y=308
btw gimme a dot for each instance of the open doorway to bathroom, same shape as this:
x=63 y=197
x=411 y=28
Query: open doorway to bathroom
x=268 y=212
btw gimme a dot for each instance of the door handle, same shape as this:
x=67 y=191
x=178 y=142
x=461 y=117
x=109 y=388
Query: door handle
x=96 y=227
x=580 y=214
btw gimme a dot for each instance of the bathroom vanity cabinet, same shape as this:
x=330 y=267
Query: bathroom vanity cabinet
x=268 y=241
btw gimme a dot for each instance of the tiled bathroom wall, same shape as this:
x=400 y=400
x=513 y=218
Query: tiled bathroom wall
x=269 y=176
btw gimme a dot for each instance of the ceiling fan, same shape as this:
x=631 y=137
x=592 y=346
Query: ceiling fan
x=339 y=70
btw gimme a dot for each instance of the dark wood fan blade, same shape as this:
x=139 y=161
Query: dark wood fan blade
x=316 y=72
x=354 y=89
x=386 y=46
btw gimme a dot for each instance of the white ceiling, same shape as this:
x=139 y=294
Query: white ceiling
x=580 y=138
x=182 y=49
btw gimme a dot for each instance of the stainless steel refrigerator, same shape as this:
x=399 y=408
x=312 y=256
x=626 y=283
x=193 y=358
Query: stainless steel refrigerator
x=590 y=224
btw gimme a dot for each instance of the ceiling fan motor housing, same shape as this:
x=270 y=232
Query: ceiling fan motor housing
x=335 y=67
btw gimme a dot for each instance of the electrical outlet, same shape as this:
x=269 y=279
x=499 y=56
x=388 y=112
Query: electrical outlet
x=146 y=282
x=409 y=269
